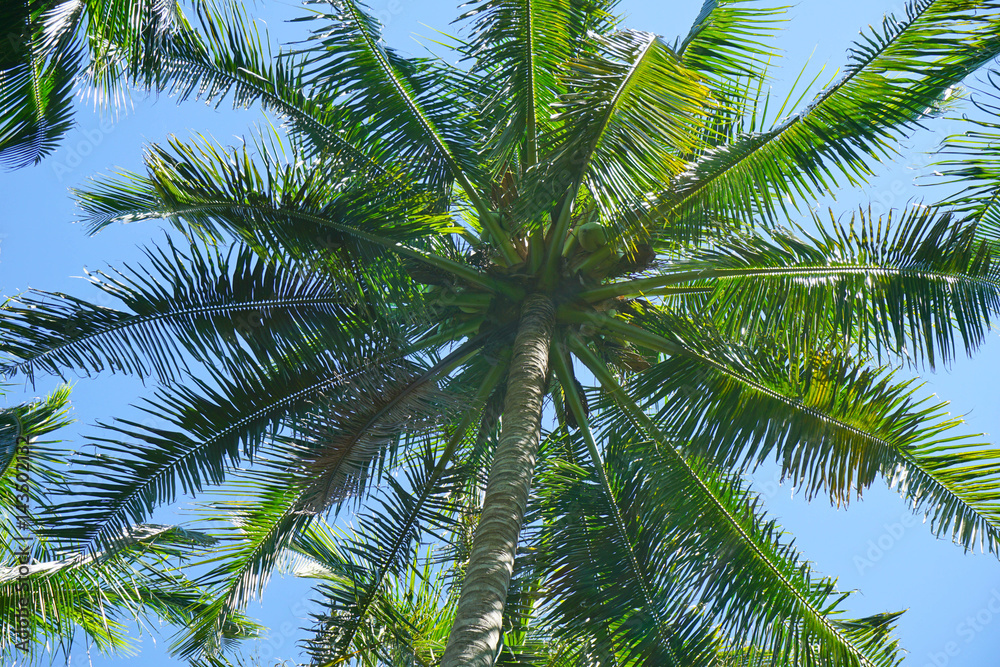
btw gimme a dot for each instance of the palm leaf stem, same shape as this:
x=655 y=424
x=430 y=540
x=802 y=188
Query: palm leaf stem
x=644 y=286
x=630 y=332
x=493 y=377
x=444 y=337
x=501 y=236
x=673 y=458
x=562 y=224
x=553 y=253
x=530 y=157
x=463 y=180
x=451 y=266
x=562 y=366
x=596 y=258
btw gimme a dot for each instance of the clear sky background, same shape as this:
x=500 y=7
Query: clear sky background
x=875 y=547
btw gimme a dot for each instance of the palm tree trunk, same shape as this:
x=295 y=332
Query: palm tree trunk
x=476 y=633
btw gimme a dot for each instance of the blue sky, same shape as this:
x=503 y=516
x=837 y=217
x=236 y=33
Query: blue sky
x=876 y=546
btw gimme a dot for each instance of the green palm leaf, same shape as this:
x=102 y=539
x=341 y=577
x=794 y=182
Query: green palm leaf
x=211 y=430
x=266 y=518
x=230 y=57
x=832 y=423
x=897 y=76
x=425 y=230
x=107 y=43
x=208 y=305
x=380 y=548
x=370 y=561
x=278 y=204
x=128 y=41
x=969 y=164
x=101 y=595
x=630 y=117
x=416 y=107
x=520 y=47
x=904 y=285
x=660 y=629
x=36 y=86
x=727 y=42
x=756 y=571
x=598 y=591
x=52 y=590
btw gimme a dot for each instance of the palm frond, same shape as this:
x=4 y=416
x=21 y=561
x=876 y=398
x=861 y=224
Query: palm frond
x=588 y=629
x=265 y=519
x=405 y=623
x=377 y=553
x=369 y=411
x=36 y=86
x=758 y=586
x=643 y=614
x=128 y=41
x=24 y=452
x=49 y=590
x=631 y=116
x=207 y=303
x=380 y=548
x=969 y=163
x=905 y=284
x=105 y=594
x=211 y=428
x=416 y=107
x=897 y=77
x=277 y=205
x=229 y=57
x=217 y=189
x=520 y=48
x=728 y=42
x=832 y=423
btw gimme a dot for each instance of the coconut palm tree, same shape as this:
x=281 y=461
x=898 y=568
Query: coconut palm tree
x=51 y=593
x=369 y=311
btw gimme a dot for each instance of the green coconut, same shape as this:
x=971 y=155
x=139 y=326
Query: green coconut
x=488 y=219
x=591 y=236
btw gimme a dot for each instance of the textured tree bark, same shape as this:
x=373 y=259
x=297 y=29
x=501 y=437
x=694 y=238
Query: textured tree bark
x=476 y=633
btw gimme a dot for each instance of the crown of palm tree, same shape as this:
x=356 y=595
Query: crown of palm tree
x=381 y=299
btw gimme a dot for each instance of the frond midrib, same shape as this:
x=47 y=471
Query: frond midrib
x=425 y=123
x=141 y=320
x=775 y=133
x=458 y=269
x=643 y=421
x=882 y=443
x=121 y=503
x=640 y=573
x=619 y=94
